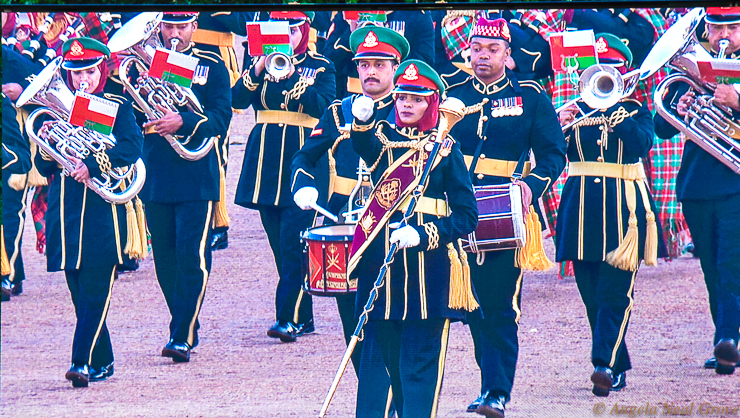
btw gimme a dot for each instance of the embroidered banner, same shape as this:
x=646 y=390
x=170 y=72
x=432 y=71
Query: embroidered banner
x=174 y=67
x=268 y=37
x=572 y=51
x=719 y=71
x=93 y=112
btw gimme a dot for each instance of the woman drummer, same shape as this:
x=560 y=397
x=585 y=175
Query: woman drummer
x=288 y=106
x=606 y=220
x=411 y=316
x=84 y=235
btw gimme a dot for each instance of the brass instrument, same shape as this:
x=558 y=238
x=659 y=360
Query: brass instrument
x=708 y=124
x=278 y=65
x=140 y=38
x=64 y=140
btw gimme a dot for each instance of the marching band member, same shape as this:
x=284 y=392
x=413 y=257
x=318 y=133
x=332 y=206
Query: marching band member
x=514 y=117
x=179 y=195
x=84 y=237
x=286 y=111
x=378 y=51
x=712 y=212
x=606 y=237
x=411 y=317
x=16 y=163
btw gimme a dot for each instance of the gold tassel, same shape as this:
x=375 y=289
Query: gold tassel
x=222 y=215
x=4 y=263
x=533 y=256
x=17 y=181
x=625 y=256
x=471 y=304
x=651 y=239
x=132 y=232
x=35 y=178
x=141 y=221
x=456 y=296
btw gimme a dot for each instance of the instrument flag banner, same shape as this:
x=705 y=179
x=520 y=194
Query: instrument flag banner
x=268 y=37
x=93 y=112
x=174 y=67
x=719 y=71
x=572 y=51
x=366 y=16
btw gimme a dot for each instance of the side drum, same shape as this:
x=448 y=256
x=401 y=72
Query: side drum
x=326 y=251
x=500 y=219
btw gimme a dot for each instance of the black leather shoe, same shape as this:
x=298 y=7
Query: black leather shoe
x=603 y=379
x=620 y=381
x=286 y=331
x=305 y=328
x=78 y=375
x=220 y=241
x=727 y=356
x=7 y=289
x=711 y=363
x=179 y=352
x=101 y=373
x=492 y=407
x=476 y=403
x=17 y=289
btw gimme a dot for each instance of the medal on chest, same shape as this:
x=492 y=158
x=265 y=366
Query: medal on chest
x=510 y=106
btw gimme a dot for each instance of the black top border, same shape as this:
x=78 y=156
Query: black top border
x=266 y=5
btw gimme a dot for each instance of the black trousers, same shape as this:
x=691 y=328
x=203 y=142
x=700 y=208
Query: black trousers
x=14 y=218
x=413 y=354
x=607 y=293
x=494 y=329
x=714 y=226
x=91 y=290
x=181 y=236
x=283 y=226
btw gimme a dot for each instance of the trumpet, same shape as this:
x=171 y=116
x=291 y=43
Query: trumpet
x=139 y=37
x=278 y=65
x=65 y=142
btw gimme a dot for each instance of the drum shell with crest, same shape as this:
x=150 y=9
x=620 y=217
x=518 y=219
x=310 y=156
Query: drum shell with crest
x=326 y=252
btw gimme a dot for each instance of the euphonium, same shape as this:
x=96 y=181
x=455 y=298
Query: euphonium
x=64 y=140
x=139 y=37
x=707 y=124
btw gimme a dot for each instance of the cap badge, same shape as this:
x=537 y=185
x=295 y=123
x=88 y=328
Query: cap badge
x=371 y=40
x=601 y=46
x=76 y=49
x=505 y=31
x=411 y=73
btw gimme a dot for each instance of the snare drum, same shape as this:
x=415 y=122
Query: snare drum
x=500 y=219
x=326 y=252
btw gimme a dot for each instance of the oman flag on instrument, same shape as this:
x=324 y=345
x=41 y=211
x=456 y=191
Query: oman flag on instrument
x=174 y=67
x=268 y=37
x=93 y=112
x=572 y=51
x=719 y=71
x=366 y=16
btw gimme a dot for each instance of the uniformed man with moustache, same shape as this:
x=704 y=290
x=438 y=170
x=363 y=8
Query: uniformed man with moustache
x=415 y=25
x=513 y=118
x=180 y=195
x=712 y=213
x=287 y=109
x=378 y=51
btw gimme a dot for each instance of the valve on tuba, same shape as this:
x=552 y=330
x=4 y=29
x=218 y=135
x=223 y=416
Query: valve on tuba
x=139 y=37
x=63 y=141
x=706 y=123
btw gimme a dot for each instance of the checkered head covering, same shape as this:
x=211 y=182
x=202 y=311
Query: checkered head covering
x=492 y=29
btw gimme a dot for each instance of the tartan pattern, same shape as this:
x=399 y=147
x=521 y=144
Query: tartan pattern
x=38 y=212
x=458 y=39
x=96 y=29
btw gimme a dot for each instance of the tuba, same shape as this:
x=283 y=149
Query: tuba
x=64 y=140
x=707 y=124
x=140 y=38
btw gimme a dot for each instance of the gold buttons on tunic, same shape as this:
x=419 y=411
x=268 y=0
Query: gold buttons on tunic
x=281 y=124
x=480 y=176
x=483 y=156
x=599 y=158
x=598 y=142
x=597 y=180
x=282 y=105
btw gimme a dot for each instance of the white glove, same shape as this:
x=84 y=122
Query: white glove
x=362 y=108
x=305 y=197
x=406 y=237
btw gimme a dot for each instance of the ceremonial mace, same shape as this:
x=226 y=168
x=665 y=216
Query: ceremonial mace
x=451 y=111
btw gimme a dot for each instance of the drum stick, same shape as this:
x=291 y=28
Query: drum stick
x=338 y=376
x=324 y=212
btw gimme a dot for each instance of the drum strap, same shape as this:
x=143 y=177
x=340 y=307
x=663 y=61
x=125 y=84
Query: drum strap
x=347 y=112
x=517 y=174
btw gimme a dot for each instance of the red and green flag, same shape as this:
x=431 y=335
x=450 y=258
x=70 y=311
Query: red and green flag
x=366 y=16
x=572 y=51
x=719 y=71
x=93 y=112
x=268 y=37
x=173 y=67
